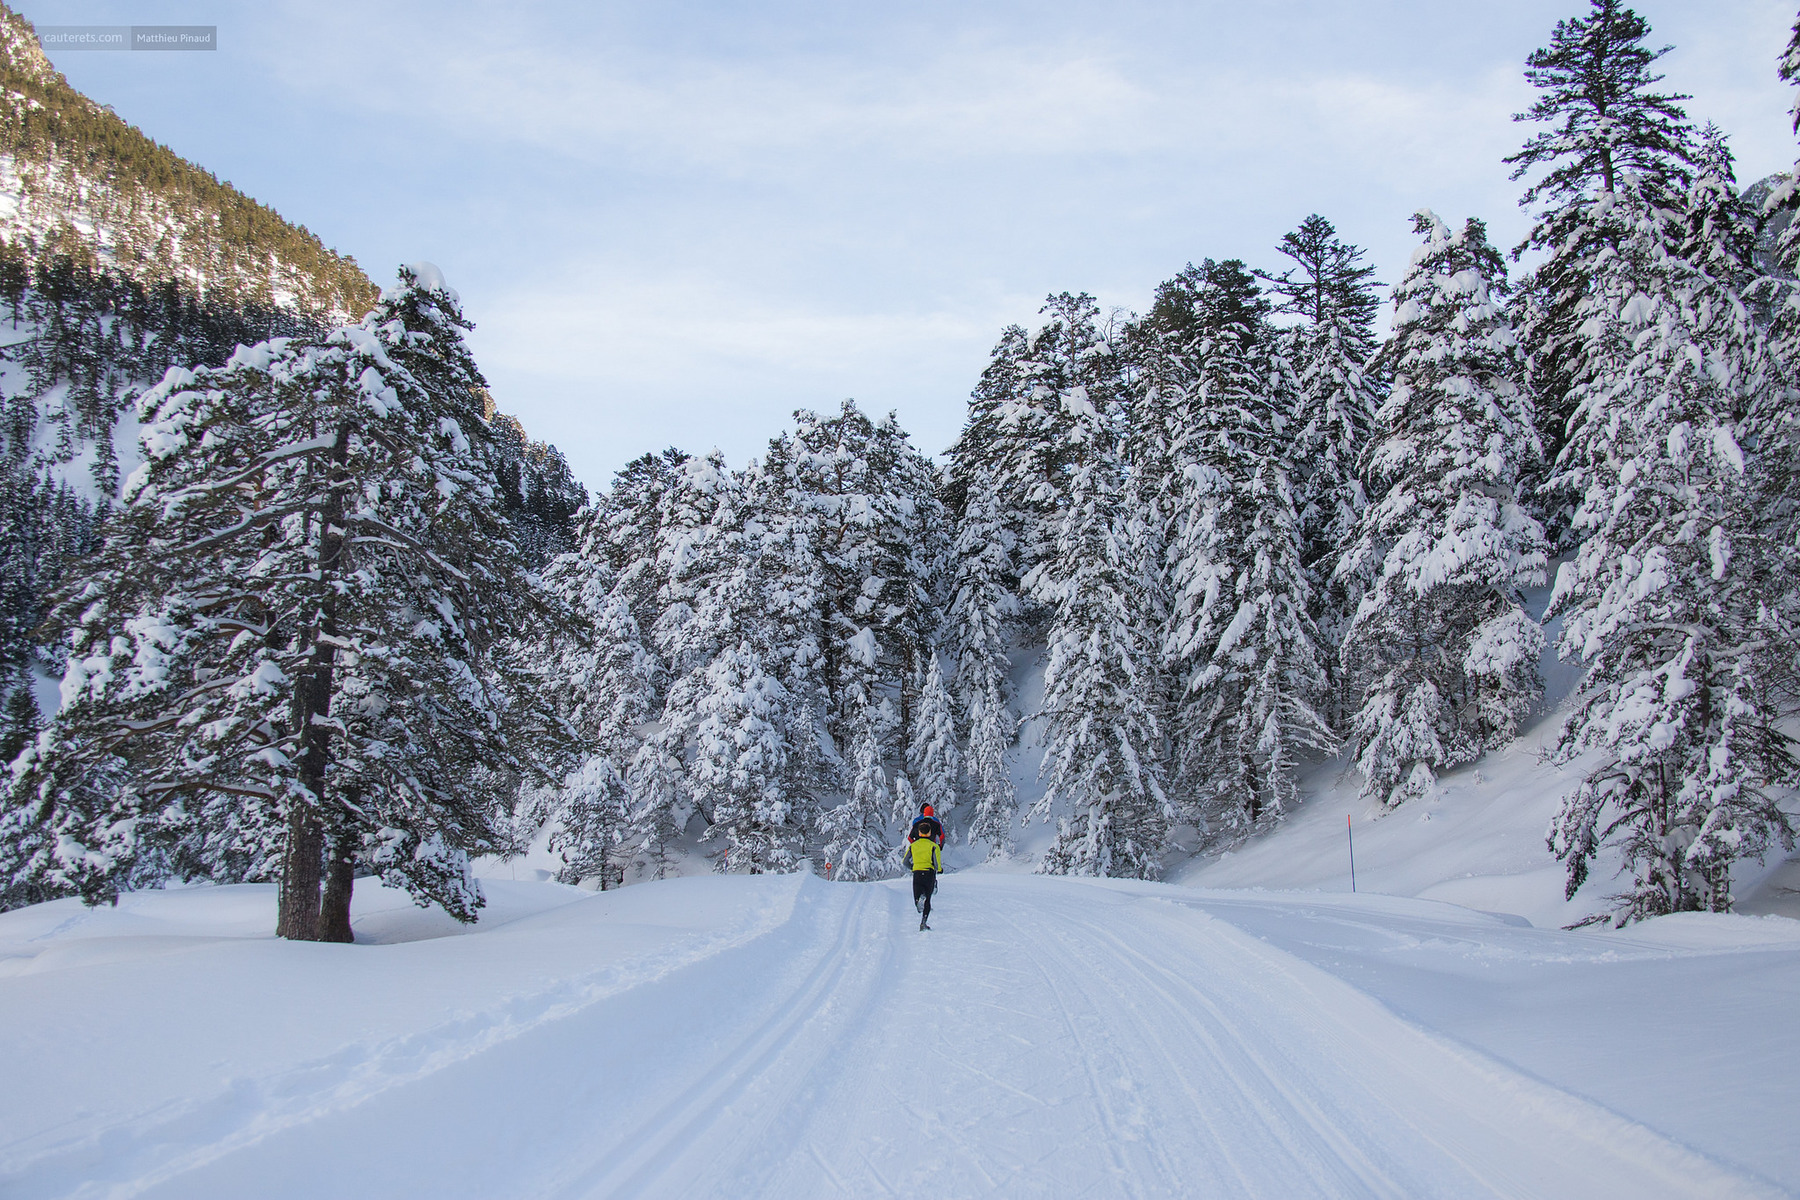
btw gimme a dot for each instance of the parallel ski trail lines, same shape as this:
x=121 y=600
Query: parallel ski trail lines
x=1049 y=1037
x=1238 y=1132
x=646 y=1159
x=1503 y=1133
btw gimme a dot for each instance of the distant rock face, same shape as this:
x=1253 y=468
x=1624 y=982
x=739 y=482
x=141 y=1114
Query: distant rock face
x=76 y=179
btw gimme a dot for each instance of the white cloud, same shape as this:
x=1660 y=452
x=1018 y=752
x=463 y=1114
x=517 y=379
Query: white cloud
x=675 y=223
x=639 y=328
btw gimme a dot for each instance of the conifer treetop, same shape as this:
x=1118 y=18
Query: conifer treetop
x=1328 y=282
x=1595 y=81
x=1207 y=301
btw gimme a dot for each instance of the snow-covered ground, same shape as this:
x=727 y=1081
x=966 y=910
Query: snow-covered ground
x=1249 y=1029
x=783 y=1036
x=1478 y=840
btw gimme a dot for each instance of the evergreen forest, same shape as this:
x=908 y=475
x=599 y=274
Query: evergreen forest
x=334 y=616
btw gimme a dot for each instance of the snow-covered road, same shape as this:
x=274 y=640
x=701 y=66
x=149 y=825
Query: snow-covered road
x=789 y=1037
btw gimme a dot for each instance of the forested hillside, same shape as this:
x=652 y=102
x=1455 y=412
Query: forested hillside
x=77 y=180
x=1223 y=538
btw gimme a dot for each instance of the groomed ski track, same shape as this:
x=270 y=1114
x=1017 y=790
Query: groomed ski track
x=1048 y=1037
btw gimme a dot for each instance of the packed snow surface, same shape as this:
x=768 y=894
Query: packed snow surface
x=785 y=1036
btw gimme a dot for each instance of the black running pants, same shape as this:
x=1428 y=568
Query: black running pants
x=924 y=883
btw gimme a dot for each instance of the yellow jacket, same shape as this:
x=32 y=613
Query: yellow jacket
x=924 y=855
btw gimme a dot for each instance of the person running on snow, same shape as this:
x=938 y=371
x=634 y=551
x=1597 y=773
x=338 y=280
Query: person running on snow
x=926 y=859
x=926 y=825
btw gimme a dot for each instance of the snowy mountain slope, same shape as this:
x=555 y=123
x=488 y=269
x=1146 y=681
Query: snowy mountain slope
x=76 y=178
x=1476 y=840
x=781 y=1035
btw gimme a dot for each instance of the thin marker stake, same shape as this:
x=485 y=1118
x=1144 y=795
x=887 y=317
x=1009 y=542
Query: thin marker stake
x=1351 y=832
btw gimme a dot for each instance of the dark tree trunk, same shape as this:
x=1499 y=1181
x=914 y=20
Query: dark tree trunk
x=302 y=866
x=340 y=881
x=301 y=862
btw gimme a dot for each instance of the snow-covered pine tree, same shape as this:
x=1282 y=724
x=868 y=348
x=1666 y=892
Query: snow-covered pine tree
x=701 y=559
x=739 y=769
x=589 y=812
x=1333 y=292
x=624 y=528
x=1021 y=415
x=861 y=503
x=1441 y=653
x=303 y=628
x=1596 y=88
x=1668 y=601
x=698 y=537
x=983 y=604
x=539 y=495
x=1718 y=224
x=988 y=445
x=856 y=845
x=1007 y=487
x=932 y=759
x=20 y=722
x=608 y=679
x=46 y=529
x=913 y=612
x=658 y=803
x=986 y=485
x=1104 y=748
x=791 y=581
x=1775 y=423
x=20 y=719
x=604 y=681
x=1785 y=196
x=1720 y=236
x=735 y=743
x=1240 y=643
x=605 y=677
x=1158 y=437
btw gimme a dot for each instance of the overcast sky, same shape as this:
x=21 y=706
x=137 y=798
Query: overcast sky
x=676 y=223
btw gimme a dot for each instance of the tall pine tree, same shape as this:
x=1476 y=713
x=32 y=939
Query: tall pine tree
x=301 y=648
x=1104 y=745
x=1668 y=602
x=854 y=831
x=932 y=758
x=1441 y=654
x=1596 y=85
x=1240 y=642
x=1333 y=291
x=984 y=604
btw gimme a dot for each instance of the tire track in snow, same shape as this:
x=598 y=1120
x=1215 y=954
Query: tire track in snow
x=1089 y=1039
x=1506 y=1131
x=1242 y=1145
x=1053 y=1086
x=1115 y=1134
x=653 y=1148
x=1292 y=1113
